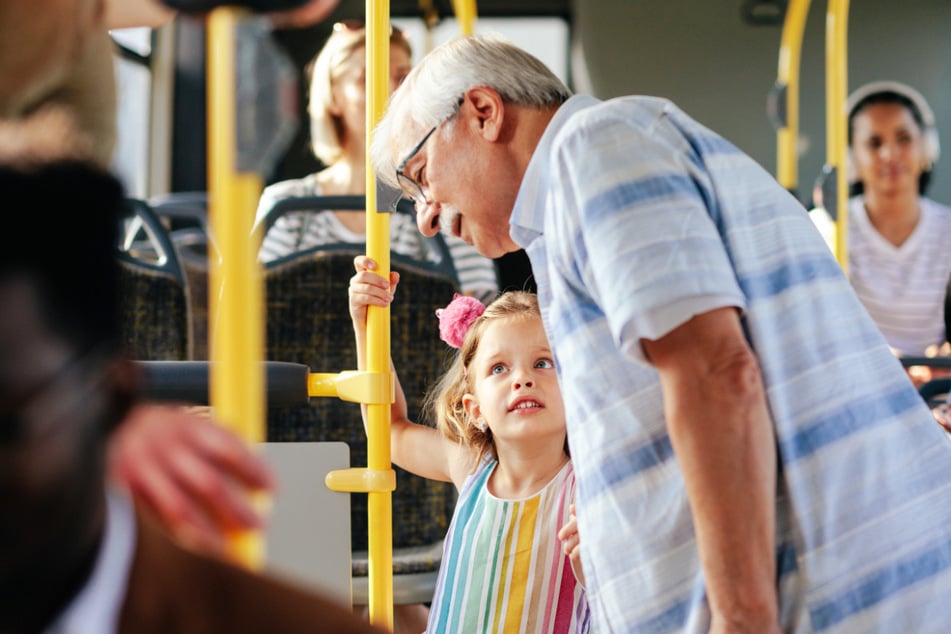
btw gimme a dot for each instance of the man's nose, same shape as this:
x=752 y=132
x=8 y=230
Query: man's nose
x=427 y=218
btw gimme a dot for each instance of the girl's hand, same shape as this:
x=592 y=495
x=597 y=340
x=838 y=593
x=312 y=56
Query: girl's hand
x=571 y=542
x=369 y=289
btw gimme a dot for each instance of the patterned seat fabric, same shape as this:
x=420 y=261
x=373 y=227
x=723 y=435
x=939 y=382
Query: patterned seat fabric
x=308 y=322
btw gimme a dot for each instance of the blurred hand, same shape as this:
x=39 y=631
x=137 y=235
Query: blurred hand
x=571 y=542
x=193 y=474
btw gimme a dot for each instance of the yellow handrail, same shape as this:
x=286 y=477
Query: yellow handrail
x=837 y=20
x=378 y=479
x=237 y=335
x=466 y=14
x=787 y=83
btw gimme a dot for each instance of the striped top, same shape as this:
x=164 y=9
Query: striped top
x=635 y=218
x=503 y=566
x=903 y=287
x=298 y=230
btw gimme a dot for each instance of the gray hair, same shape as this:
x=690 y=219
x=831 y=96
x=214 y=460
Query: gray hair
x=431 y=91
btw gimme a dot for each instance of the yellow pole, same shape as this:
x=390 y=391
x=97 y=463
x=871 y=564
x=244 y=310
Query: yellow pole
x=466 y=14
x=837 y=19
x=790 y=53
x=379 y=502
x=237 y=337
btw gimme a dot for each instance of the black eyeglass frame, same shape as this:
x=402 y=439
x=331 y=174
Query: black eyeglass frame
x=410 y=187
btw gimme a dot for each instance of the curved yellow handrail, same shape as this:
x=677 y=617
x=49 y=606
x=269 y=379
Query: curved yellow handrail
x=790 y=54
x=837 y=20
x=237 y=336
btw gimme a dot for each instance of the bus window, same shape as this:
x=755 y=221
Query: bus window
x=547 y=38
x=134 y=83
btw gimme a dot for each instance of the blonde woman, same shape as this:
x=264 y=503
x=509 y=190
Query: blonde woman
x=337 y=107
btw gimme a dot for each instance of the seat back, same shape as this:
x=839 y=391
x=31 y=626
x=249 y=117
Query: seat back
x=437 y=244
x=308 y=322
x=186 y=215
x=153 y=298
x=935 y=391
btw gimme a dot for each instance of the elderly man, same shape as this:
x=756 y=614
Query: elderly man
x=750 y=456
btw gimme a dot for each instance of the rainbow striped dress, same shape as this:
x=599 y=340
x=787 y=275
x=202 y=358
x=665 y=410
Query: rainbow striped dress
x=503 y=567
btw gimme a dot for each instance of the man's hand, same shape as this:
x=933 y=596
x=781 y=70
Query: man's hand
x=193 y=474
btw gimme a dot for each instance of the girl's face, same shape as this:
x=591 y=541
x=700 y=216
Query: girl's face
x=514 y=382
x=887 y=148
x=349 y=86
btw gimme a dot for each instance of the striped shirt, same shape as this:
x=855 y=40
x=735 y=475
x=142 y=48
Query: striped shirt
x=903 y=287
x=636 y=218
x=503 y=567
x=298 y=230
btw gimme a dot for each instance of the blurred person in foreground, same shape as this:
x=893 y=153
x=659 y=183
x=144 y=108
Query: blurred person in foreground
x=75 y=556
x=57 y=101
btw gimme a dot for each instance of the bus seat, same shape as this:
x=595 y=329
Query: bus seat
x=308 y=322
x=935 y=391
x=153 y=297
x=443 y=262
x=186 y=216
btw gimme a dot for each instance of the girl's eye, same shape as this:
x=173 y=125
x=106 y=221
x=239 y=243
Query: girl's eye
x=545 y=364
x=498 y=368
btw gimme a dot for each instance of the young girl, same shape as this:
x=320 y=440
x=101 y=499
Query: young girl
x=501 y=440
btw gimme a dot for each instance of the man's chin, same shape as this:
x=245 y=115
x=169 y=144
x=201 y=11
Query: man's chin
x=493 y=250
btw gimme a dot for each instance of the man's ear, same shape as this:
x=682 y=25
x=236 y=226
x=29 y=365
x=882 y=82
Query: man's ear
x=489 y=111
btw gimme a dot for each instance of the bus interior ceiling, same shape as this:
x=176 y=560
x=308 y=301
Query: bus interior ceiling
x=708 y=57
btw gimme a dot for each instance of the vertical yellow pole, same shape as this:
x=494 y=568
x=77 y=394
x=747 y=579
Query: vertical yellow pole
x=837 y=20
x=380 y=503
x=790 y=53
x=466 y=14
x=237 y=347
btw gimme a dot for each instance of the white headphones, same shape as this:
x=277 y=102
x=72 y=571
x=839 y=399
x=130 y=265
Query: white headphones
x=929 y=134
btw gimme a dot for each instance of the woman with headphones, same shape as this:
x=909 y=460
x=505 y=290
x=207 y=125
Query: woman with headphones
x=899 y=240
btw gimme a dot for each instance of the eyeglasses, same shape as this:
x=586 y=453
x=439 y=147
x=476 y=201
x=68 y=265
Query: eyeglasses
x=411 y=188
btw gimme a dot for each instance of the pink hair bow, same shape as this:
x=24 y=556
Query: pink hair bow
x=456 y=318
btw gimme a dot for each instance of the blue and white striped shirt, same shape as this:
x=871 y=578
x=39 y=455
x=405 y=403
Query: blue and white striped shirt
x=636 y=218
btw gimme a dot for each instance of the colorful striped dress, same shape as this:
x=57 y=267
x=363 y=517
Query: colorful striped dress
x=503 y=566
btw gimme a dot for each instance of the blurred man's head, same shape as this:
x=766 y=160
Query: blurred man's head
x=63 y=387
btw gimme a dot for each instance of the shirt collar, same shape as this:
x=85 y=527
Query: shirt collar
x=527 y=220
x=96 y=608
